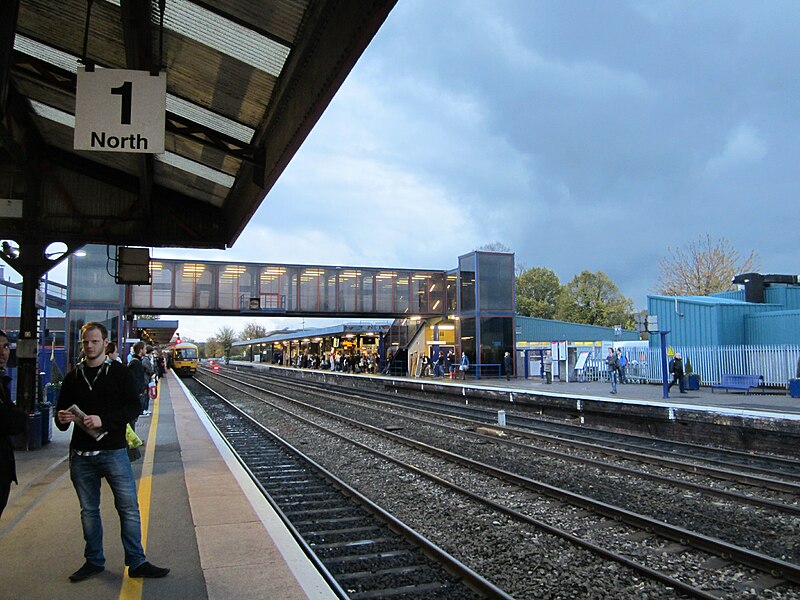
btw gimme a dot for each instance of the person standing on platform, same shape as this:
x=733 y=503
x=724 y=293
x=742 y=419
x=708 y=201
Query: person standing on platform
x=463 y=366
x=623 y=362
x=507 y=365
x=613 y=366
x=676 y=368
x=112 y=352
x=13 y=421
x=105 y=392
x=547 y=365
x=139 y=375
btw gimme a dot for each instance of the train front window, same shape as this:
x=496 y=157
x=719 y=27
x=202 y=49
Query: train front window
x=186 y=354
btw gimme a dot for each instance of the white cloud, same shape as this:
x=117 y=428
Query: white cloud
x=743 y=146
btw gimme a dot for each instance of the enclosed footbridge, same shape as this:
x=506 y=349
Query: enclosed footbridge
x=225 y=288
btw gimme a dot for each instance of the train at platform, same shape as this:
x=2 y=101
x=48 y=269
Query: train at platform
x=184 y=359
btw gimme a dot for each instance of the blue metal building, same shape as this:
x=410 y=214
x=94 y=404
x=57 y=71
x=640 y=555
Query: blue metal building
x=738 y=318
x=535 y=330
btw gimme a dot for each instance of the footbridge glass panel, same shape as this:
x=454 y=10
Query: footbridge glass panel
x=302 y=290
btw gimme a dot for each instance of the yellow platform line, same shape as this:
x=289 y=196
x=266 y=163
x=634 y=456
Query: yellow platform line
x=132 y=587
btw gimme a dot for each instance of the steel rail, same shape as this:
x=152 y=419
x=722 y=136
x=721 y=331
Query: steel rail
x=756 y=560
x=561 y=533
x=471 y=578
x=715 y=472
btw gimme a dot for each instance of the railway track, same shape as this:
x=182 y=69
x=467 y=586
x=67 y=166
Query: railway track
x=582 y=516
x=362 y=551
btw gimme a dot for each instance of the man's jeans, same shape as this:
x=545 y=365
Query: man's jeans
x=86 y=473
x=613 y=377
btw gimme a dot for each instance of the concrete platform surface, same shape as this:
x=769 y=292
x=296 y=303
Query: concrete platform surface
x=201 y=516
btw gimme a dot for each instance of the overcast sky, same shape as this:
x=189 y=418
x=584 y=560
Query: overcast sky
x=582 y=135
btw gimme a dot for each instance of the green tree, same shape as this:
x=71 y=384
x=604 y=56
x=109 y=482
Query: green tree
x=253 y=330
x=594 y=299
x=703 y=267
x=537 y=293
x=213 y=349
x=225 y=337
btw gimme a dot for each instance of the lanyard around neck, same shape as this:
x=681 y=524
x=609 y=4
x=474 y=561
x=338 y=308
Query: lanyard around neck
x=103 y=368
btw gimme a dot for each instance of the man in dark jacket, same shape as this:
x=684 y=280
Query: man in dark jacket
x=508 y=365
x=12 y=422
x=105 y=393
x=676 y=368
x=140 y=378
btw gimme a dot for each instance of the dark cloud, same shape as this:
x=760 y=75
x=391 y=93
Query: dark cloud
x=583 y=135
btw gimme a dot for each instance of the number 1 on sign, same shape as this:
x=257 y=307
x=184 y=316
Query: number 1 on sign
x=126 y=91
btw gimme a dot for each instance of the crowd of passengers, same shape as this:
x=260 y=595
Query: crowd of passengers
x=344 y=362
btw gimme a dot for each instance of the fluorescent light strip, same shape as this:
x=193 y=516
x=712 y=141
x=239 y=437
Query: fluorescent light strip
x=168 y=158
x=209 y=119
x=54 y=114
x=175 y=105
x=223 y=35
x=190 y=166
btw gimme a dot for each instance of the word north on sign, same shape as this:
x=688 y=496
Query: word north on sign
x=120 y=110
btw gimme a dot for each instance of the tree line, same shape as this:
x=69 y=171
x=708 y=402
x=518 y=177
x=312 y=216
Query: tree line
x=704 y=266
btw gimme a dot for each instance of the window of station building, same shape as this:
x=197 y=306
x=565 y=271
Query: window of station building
x=402 y=296
x=451 y=291
x=89 y=278
x=234 y=284
x=466 y=266
x=273 y=287
x=159 y=293
x=348 y=290
x=468 y=339
x=366 y=291
x=311 y=280
x=10 y=302
x=328 y=290
x=497 y=337
x=427 y=293
x=384 y=291
x=496 y=272
x=188 y=277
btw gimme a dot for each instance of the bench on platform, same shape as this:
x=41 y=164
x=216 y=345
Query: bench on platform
x=739 y=382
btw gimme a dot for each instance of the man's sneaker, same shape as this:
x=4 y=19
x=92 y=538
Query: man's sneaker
x=147 y=570
x=86 y=571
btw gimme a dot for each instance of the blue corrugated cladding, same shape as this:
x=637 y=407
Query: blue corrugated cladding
x=718 y=320
x=786 y=296
x=689 y=322
x=532 y=329
x=769 y=328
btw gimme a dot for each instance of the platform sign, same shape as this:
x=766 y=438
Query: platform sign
x=120 y=110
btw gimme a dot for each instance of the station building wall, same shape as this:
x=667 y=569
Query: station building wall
x=727 y=320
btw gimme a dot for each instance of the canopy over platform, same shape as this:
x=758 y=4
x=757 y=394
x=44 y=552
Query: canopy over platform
x=246 y=82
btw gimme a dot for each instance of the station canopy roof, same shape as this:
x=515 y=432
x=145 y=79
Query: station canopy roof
x=154 y=331
x=246 y=82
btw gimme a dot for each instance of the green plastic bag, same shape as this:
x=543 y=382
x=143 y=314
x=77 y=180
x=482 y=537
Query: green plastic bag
x=134 y=441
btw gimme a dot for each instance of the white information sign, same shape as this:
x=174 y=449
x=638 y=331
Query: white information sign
x=120 y=110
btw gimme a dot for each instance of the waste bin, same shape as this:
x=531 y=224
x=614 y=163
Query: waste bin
x=34 y=430
x=47 y=422
x=794 y=388
x=692 y=382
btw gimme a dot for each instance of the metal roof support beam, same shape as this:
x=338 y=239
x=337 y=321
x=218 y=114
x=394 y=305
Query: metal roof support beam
x=136 y=33
x=8 y=25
